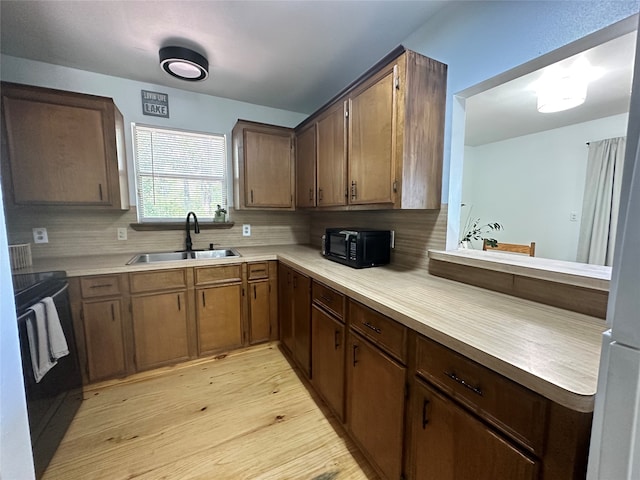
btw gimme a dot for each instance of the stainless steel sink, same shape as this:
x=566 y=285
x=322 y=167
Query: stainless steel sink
x=173 y=256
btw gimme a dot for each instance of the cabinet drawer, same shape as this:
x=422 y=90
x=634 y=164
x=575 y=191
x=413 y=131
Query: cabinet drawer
x=258 y=270
x=385 y=332
x=222 y=274
x=157 y=280
x=101 y=286
x=328 y=299
x=517 y=411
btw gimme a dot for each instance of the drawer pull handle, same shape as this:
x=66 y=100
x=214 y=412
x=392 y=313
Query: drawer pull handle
x=113 y=313
x=425 y=420
x=355 y=359
x=464 y=383
x=372 y=327
x=326 y=299
x=179 y=306
x=336 y=340
x=103 y=285
x=258 y=271
x=204 y=303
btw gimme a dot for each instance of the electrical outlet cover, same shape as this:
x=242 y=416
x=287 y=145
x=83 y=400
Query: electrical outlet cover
x=246 y=230
x=40 y=235
x=122 y=233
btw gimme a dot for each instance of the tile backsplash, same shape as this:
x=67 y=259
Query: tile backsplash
x=73 y=232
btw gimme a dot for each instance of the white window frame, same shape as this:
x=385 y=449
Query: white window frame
x=204 y=212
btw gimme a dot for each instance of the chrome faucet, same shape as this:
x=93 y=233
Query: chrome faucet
x=196 y=229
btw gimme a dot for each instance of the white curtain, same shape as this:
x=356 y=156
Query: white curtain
x=601 y=201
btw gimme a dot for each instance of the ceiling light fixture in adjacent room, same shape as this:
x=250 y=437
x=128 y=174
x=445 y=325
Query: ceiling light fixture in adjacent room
x=184 y=64
x=564 y=88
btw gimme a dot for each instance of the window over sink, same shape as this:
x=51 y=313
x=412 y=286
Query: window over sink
x=178 y=171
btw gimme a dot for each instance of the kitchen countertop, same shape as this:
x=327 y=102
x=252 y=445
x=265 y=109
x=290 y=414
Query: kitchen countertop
x=552 y=351
x=595 y=277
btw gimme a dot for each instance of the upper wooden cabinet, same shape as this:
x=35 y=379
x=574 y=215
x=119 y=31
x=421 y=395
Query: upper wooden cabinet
x=332 y=156
x=306 y=167
x=380 y=142
x=263 y=165
x=63 y=148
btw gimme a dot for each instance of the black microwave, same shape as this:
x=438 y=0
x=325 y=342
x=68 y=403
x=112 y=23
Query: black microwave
x=357 y=247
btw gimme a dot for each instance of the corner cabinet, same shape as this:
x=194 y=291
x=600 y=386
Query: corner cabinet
x=63 y=148
x=380 y=142
x=263 y=166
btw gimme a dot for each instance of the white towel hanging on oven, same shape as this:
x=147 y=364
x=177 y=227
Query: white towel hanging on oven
x=47 y=342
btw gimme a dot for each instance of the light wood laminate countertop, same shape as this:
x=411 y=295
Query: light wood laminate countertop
x=596 y=277
x=552 y=351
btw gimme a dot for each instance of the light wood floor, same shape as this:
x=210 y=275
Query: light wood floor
x=246 y=416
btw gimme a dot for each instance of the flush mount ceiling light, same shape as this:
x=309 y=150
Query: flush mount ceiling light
x=564 y=88
x=184 y=64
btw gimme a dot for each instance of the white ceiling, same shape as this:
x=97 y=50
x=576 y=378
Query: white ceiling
x=509 y=110
x=293 y=55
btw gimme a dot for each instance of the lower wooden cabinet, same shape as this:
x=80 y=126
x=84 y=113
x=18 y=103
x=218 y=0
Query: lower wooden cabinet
x=285 y=302
x=259 y=312
x=376 y=405
x=160 y=329
x=295 y=316
x=262 y=315
x=219 y=318
x=327 y=358
x=104 y=339
x=449 y=443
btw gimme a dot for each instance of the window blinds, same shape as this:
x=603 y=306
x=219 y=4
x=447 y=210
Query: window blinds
x=178 y=172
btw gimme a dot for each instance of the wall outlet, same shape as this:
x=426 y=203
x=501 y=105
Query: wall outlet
x=393 y=239
x=246 y=230
x=122 y=233
x=40 y=235
x=573 y=217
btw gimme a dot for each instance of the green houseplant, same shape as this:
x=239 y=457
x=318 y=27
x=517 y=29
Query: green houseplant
x=474 y=230
x=220 y=214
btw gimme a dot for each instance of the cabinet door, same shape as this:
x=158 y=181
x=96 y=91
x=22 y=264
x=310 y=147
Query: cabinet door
x=57 y=153
x=302 y=321
x=268 y=169
x=285 y=306
x=327 y=350
x=375 y=412
x=332 y=157
x=259 y=312
x=449 y=443
x=306 y=167
x=219 y=318
x=160 y=329
x=372 y=129
x=104 y=339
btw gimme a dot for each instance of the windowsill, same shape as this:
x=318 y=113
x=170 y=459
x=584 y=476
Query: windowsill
x=578 y=274
x=157 y=226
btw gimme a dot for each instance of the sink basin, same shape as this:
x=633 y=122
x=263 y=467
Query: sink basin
x=172 y=256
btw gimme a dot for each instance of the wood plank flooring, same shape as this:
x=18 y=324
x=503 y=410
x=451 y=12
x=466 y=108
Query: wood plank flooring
x=244 y=416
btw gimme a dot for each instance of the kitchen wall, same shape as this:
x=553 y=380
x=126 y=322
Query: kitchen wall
x=188 y=110
x=73 y=233
x=416 y=231
x=531 y=184
x=480 y=40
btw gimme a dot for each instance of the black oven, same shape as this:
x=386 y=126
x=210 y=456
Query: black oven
x=357 y=247
x=54 y=400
